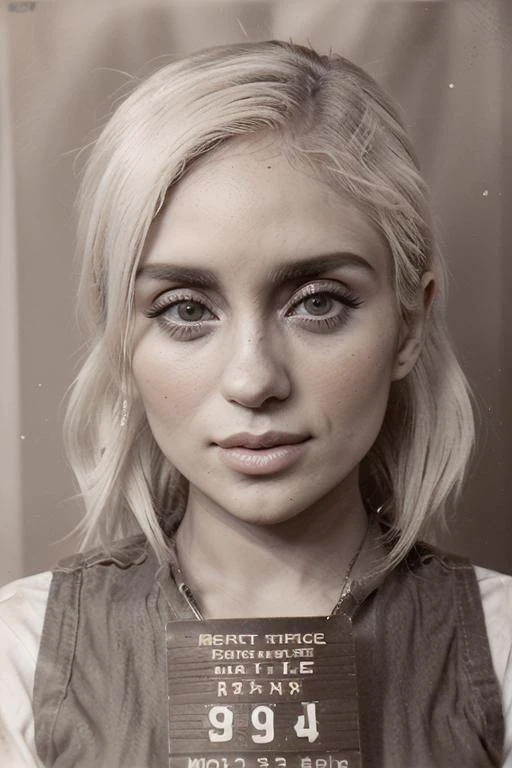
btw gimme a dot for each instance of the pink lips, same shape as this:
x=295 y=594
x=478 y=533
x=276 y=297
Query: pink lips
x=267 y=440
x=262 y=454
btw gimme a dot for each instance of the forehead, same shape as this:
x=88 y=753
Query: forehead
x=247 y=204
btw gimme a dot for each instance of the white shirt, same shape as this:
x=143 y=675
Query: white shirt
x=22 y=609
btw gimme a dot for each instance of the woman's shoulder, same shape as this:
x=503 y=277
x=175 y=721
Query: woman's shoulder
x=494 y=586
x=22 y=610
x=29 y=588
x=496 y=593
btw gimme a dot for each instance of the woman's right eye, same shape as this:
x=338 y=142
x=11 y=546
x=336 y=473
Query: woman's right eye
x=188 y=310
x=180 y=315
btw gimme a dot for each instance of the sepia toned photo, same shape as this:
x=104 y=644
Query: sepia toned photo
x=254 y=405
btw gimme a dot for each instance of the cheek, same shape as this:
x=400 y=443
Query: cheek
x=170 y=387
x=352 y=386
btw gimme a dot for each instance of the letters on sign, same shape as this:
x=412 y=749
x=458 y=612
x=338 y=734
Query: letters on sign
x=262 y=693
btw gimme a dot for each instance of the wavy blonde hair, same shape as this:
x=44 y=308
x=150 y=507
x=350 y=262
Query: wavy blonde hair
x=333 y=116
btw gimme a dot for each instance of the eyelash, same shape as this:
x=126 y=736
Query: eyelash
x=343 y=295
x=181 y=331
x=189 y=330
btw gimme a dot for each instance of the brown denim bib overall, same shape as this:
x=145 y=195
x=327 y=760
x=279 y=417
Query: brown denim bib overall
x=428 y=694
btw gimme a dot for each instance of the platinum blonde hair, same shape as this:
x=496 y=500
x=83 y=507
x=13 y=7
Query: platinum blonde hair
x=333 y=116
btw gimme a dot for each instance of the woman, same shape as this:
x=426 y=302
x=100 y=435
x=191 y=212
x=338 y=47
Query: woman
x=271 y=412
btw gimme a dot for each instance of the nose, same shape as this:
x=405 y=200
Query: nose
x=255 y=371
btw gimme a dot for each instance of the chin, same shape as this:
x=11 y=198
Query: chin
x=262 y=518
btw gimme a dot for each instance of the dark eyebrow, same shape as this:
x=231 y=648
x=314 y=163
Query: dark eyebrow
x=204 y=278
x=317 y=265
x=296 y=270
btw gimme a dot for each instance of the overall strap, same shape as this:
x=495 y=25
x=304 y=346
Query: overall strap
x=55 y=659
x=478 y=660
x=100 y=684
x=429 y=697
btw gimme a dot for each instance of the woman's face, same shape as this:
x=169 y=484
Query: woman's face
x=266 y=335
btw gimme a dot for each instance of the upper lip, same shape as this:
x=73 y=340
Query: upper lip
x=266 y=440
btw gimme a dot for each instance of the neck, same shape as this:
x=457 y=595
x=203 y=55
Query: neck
x=294 y=568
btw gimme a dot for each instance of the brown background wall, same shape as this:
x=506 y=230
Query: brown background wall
x=62 y=67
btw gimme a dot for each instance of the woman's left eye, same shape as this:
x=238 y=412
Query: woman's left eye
x=323 y=308
x=320 y=304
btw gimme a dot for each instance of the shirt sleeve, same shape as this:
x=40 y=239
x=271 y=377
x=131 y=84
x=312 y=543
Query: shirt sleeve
x=22 y=609
x=496 y=592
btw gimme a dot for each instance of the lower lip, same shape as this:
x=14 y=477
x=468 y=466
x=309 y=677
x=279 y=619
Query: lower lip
x=262 y=462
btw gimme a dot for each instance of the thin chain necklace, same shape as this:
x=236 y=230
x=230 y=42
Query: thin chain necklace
x=187 y=593
x=345 y=588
